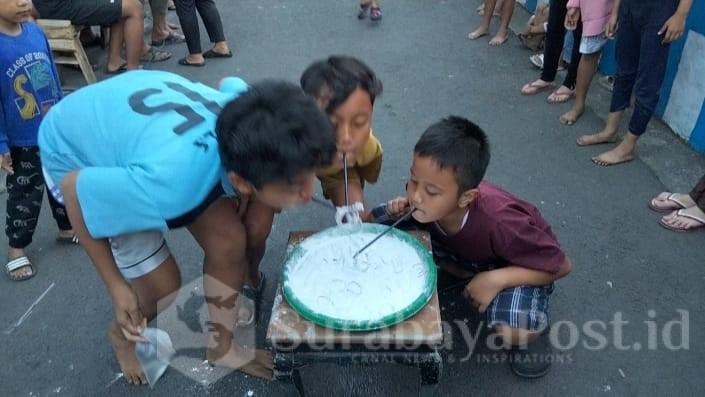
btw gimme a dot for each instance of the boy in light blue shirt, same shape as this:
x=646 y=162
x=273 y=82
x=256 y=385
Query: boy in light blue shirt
x=146 y=151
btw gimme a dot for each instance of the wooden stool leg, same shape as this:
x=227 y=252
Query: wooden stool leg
x=83 y=61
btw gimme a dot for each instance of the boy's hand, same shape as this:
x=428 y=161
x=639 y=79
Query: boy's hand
x=611 y=28
x=571 y=18
x=398 y=207
x=128 y=314
x=7 y=163
x=482 y=289
x=673 y=29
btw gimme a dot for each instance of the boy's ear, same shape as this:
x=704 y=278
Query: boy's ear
x=468 y=197
x=241 y=184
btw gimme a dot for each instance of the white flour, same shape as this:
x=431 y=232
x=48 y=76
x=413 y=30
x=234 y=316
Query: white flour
x=385 y=278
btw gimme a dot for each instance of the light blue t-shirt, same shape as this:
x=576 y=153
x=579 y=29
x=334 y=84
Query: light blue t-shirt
x=145 y=145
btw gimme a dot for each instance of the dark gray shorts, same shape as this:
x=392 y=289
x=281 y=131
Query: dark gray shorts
x=81 y=12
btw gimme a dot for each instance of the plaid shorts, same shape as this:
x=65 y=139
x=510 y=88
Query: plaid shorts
x=524 y=307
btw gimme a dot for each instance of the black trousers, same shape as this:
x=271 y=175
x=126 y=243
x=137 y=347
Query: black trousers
x=698 y=194
x=555 y=35
x=186 y=11
x=25 y=191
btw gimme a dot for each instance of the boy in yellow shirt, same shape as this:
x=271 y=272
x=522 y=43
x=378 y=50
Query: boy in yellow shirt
x=345 y=89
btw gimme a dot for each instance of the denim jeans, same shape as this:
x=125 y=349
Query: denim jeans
x=641 y=58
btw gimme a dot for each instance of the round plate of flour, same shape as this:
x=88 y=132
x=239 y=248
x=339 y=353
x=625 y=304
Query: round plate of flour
x=387 y=283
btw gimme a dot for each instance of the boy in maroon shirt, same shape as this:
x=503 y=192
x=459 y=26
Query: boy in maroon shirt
x=502 y=242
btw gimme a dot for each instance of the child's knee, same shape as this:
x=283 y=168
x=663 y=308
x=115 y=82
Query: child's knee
x=132 y=8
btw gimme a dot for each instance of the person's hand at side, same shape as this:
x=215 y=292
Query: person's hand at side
x=572 y=17
x=7 y=163
x=673 y=29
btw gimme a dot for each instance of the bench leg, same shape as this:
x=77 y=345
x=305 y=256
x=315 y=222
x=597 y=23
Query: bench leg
x=287 y=372
x=83 y=61
x=430 y=371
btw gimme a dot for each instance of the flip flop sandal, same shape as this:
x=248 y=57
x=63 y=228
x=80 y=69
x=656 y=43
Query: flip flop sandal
x=171 y=38
x=375 y=13
x=67 y=240
x=184 y=62
x=362 y=13
x=19 y=263
x=154 y=55
x=700 y=222
x=560 y=97
x=533 y=88
x=254 y=295
x=675 y=203
x=214 y=54
x=122 y=68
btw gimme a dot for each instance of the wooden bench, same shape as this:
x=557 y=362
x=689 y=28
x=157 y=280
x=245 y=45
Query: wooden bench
x=66 y=46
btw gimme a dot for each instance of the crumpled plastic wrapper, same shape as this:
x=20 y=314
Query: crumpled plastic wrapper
x=156 y=355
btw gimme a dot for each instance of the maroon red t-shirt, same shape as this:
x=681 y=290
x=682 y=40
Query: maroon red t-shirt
x=504 y=230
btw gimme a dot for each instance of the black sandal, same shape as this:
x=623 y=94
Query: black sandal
x=362 y=13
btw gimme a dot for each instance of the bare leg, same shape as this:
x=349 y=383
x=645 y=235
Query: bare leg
x=625 y=151
x=115 y=60
x=222 y=235
x=607 y=135
x=155 y=291
x=133 y=24
x=258 y=223
x=484 y=29
x=503 y=32
x=586 y=71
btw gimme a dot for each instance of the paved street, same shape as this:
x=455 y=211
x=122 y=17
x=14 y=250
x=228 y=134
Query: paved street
x=633 y=282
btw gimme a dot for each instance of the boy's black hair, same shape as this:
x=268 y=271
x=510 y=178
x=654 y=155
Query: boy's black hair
x=274 y=132
x=340 y=75
x=459 y=144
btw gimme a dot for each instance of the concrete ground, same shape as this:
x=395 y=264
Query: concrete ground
x=629 y=316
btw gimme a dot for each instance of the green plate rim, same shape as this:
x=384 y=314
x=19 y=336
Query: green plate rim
x=367 y=325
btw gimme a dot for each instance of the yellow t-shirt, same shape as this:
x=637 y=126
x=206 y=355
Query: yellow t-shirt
x=368 y=164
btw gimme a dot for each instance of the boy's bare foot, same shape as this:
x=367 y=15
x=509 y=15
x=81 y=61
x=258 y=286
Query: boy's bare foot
x=597 y=139
x=618 y=155
x=239 y=359
x=125 y=354
x=499 y=39
x=571 y=116
x=479 y=32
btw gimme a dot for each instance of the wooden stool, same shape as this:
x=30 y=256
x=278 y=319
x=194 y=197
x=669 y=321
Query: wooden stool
x=66 y=46
x=297 y=342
